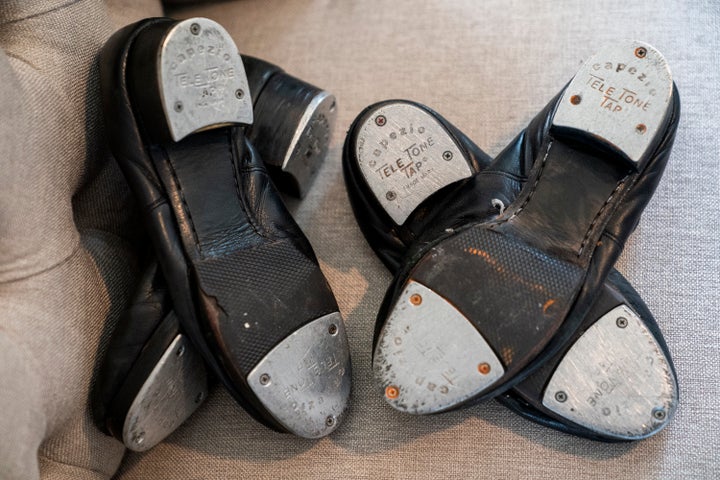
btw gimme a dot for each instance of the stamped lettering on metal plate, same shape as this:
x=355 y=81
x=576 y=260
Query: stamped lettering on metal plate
x=429 y=357
x=621 y=95
x=406 y=155
x=202 y=78
x=176 y=386
x=615 y=379
x=304 y=382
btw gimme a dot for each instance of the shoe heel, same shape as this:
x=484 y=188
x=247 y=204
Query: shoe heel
x=188 y=78
x=299 y=117
x=405 y=155
x=618 y=100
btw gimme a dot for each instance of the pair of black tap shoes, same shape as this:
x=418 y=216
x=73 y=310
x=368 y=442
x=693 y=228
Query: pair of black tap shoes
x=503 y=284
x=234 y=289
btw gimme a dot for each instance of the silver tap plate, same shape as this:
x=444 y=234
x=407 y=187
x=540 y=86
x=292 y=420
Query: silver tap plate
x=615 y=379
x=429 y=357
x=173 y=390
x=202 y=78
x=304 y=382
x=621 y=96
x=406 y=155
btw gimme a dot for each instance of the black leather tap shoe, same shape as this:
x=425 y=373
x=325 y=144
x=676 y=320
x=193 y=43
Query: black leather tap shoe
x=468 y=250
x=245 y=287
x=143 y=392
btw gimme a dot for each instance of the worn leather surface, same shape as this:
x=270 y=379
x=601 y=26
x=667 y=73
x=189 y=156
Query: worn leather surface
x=151 y=303
x=136 y=325
x=489 y=67
x=204 y=222
x=595 y=260
x=471 y=201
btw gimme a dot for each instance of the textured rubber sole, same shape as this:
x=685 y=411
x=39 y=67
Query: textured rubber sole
x=488 y=275
x=516 y=279
x=265 y=293
x=500 y=287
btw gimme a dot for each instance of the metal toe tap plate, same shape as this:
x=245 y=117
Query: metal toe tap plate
x=406 y=155
x=615 y=379
x=429 y=357
x=202 y=78
x=173 y=390
x=304 y=381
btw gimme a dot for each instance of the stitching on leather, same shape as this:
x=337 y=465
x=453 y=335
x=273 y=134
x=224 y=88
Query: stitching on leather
x=599 y=213
x=534 y=187
x=185 y=206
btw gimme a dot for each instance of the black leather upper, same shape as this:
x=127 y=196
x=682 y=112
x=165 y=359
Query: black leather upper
x=468 y=204
x=209 y=206
x=135 y=327
x=474 y=201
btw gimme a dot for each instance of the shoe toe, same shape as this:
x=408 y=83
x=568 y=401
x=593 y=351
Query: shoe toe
x=615 y=380
x=304 y=381
x=429 y=358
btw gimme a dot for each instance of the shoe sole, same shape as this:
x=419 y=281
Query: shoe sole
x=515 y=280
x=259 y=293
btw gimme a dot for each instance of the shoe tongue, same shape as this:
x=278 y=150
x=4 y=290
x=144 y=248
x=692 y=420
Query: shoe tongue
x=405 y=155
x=619 y=99
x=202 y=79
